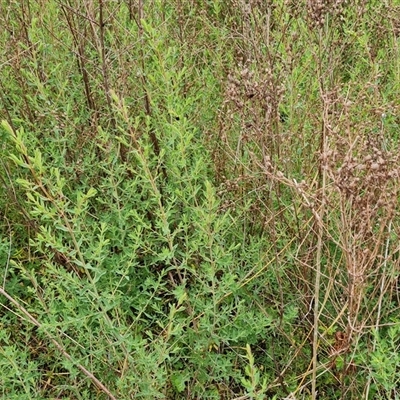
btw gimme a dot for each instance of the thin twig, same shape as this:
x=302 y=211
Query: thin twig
x=59 y=346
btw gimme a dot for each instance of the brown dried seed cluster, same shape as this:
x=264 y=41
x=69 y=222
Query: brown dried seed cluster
x=243 y=87
x=318 y=10
x=366 y=179
x=254 y=99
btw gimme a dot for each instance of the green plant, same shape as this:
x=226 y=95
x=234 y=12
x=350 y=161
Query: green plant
x=180 y=181
x=254 y=384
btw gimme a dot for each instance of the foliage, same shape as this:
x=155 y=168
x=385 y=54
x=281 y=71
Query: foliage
x=199 y=200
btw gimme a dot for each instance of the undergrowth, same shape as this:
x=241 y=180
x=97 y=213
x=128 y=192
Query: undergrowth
x=199 y=200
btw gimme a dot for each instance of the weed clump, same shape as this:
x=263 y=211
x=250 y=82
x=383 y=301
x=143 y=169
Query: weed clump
x=199 y=200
